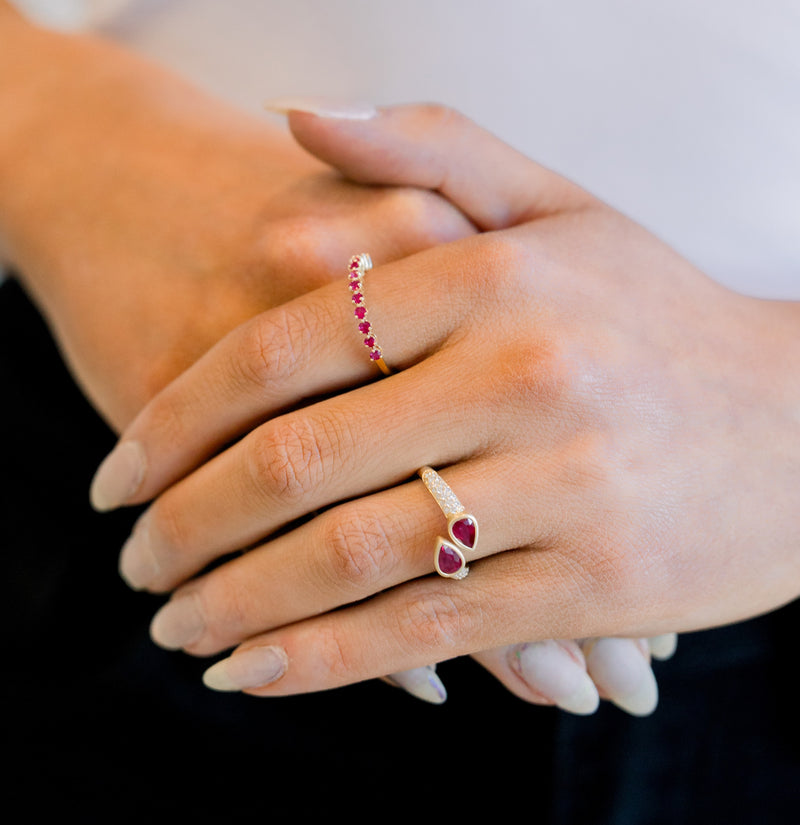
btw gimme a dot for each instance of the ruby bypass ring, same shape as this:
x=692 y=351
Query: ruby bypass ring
x=462 y=528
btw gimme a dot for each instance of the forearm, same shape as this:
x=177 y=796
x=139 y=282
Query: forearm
x=48 y=83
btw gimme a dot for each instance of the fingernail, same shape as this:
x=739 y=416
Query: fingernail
x=118 y=477
x=137 y=561
x=323 y=107
x=251 y=668
x=421 y=682
x=621 y=671
x=549 y=670
x=178 y=623
x=663 y=647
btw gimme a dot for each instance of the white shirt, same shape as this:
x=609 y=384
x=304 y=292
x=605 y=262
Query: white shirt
x=685 y=115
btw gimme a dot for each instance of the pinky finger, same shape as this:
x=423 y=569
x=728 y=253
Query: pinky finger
x=544 y=673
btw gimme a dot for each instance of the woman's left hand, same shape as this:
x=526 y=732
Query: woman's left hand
x=623 y=429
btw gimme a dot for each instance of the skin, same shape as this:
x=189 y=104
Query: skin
x=147 y=220
x=624 y=428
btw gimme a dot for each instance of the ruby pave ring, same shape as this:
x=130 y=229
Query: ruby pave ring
x=448 y=557
x=359 y=266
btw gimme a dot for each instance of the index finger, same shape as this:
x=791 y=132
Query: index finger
x=280 y=359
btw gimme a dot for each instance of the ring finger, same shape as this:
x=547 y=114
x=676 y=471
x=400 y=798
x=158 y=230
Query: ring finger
x=348 y=553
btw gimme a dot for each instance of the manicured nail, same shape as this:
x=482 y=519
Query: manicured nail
x=323 y=107
x=421 y=682
x=250 y=668
x=137 y=561
x=620 y=669
x=663 y=647
x=549 y=670
x=118 y=477
x=178 y=623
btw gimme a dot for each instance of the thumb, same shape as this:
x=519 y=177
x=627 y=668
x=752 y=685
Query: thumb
x=431 y=147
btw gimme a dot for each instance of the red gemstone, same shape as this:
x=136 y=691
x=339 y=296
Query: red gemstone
x=369 y=342
x=375 y=355
x=449 y=561
x=355 y=285
x=464 y=532
x=358 y=298
x=354 y=263
x=364 y=326
x=360 y=312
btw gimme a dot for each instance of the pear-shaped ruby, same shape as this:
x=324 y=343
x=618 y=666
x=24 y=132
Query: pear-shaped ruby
x=449 y=560
x=464 y=531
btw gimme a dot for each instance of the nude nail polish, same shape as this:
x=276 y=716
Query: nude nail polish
x=664 y=646
x=138 y=565
x=118 y=477
x=323 y=107
x=549 y=670
x=421 y=682
x=252 y=668
x=178 y=623
x=621 y=670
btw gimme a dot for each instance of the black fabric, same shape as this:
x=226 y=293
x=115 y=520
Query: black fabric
x=102 y=726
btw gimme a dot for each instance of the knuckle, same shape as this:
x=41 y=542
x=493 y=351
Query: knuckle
x=435 y=622
x=225 y=611
x=422 y=217
x=613 y=578
x=506 y=263
x=540 y=372
x=297 y=243
x=359 y=548
x=499 y=272
x=289 y=458
x=335 y=654
x=170 y=533
x=440 y=116
x=167 y=418
x=275 y=346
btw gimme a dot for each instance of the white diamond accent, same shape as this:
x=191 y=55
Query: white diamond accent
x=445 y=497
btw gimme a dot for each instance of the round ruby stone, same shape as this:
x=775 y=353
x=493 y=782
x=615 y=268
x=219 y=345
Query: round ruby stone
x=369 y=342
x=375 y=355
x=355 y=285
x=358 y=298
x=360 y=312
x=449 y=561
x=464 y=532
x=354 y=263
x=364 y=326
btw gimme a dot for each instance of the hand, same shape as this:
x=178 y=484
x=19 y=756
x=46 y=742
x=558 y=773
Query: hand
x=178 y=217
x=148 y=220
x=618 y=423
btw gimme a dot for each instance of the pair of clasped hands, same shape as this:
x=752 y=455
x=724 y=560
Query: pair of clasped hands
x=616 y=421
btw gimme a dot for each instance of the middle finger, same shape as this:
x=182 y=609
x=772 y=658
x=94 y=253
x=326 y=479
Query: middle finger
x=352 y=551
